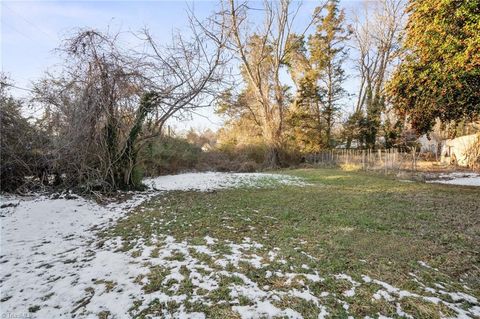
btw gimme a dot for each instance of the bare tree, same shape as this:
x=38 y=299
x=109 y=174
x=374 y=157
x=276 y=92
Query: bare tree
x=108 y=101
x=377 y=35
x=262 y=52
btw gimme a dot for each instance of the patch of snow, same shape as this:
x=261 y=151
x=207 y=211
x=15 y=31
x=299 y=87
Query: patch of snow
x=265 y=309
x=323 y=313
x=210 y=240
x=215 y=180
x=475 y=311
x=439 y=286
x=236 y=256
x=313 y=277
x=461 y=313
x=350 y=292
x=460 y=296
x=458 y=178
x=458 y=175
x=366 y=278
x=382 y=294
x=424 y=264
x=204 y=250
x=46 y=251
x=272 y=255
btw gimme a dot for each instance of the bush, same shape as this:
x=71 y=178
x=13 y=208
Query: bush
x=250 y=153
x=248 y=167
x=244 y=158
x=137 y=176
x=168 y=155
x=23 y=148
x=215 y=160
x=233 y=158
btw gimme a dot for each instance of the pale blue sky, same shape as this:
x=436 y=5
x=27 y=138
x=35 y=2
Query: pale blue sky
x=31 y=30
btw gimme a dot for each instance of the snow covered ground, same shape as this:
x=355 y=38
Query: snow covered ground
x=53 y=265
x=458 y=178
x=216 y=180
x=49 y=256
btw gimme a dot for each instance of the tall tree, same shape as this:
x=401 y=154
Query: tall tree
x=319 y=76
x=439 y=77
x=304 y=119
x=262 y=55
x=328 y=53
x=377 y=35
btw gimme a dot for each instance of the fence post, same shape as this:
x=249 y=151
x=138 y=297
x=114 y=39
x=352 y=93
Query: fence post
x=380 y=157
x=414 y=153
x=386 y=161
x=363 y=159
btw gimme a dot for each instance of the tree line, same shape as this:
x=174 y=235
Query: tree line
x=106 y=109
x=416 y=63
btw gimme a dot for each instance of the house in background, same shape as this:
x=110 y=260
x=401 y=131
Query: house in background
x=429 y=145
x=457 y=151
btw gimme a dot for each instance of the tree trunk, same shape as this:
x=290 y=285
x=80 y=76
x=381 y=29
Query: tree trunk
x=128 y=157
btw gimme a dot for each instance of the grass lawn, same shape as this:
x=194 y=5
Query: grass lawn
x=346 y=244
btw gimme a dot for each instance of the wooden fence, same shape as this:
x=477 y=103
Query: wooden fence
x=380 y=159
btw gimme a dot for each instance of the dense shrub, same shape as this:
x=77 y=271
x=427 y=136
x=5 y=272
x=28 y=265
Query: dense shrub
x=215 y=160
x=23 y=155
x=233 y=158
x=167 y=155
x=244 y=158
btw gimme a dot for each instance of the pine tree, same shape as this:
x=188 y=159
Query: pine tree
x=328 y=54
x=319 y=76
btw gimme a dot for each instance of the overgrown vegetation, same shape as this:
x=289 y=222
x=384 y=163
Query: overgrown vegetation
x=105 y=111
x=23 y=146
x=167 y=155
x=106 y=103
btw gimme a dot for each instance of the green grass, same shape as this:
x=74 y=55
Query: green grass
x=342 y=222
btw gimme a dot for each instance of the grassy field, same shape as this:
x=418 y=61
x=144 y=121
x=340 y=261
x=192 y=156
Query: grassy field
x=346 y=244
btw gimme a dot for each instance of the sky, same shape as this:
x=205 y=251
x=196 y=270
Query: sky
x=31 y=30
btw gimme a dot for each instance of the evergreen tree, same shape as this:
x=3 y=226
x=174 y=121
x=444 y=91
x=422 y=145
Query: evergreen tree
x=319 y=76
x=440 y=76
x=328 y=54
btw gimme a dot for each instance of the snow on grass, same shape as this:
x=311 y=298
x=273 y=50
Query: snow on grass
x=48 y=255
x=265 y=309
x=458 y=178
x=216 y=180
x=424 y=264
x=175 y=264
x=350 y=292
x=53 y=265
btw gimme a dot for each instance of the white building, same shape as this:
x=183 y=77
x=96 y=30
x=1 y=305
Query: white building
x=456 y=151
x=429 y=145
